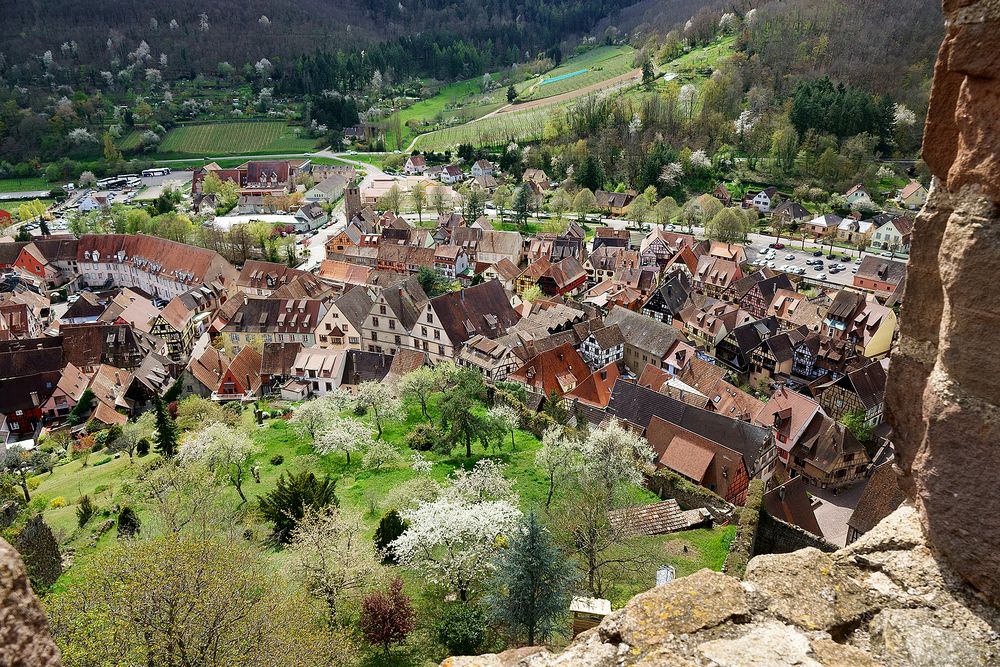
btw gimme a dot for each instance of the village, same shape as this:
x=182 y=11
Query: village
x=732 y=362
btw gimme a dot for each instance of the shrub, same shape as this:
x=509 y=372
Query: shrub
x=58 y=501
x=292 y=496
x=142 y=447
x=101 y=488
x=84 y=511
x=379 y=454
x=106 y=459
x=128 y=522
x=277 y=460
x=422 y=438
x=387 y=616
x=461 y=628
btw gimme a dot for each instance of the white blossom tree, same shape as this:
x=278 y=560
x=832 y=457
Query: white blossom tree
x=559 y=457
x=225 y=450
x=381 y=402
x=671 y=174
x=507 y=418
x=379 y=454
x=451 y=541
x=613 y=455
x=331 y=554
x=311 y=416
x=340 y=434
x=484 y=482
x=419 y=385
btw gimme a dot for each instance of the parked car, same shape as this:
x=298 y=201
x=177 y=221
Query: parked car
x=831 y=256
x=818 y=253
x=854 y=270
x=818 y=266
x=821 y=276
x=857 y=261
x=777 y=246
x=789 y=256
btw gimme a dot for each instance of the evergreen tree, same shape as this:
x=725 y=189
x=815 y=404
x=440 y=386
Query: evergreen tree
x=166 y=430
x=292 y=496
x=531 y=585
x=590 y=175
x=647 y=72
x=522 y=202
x=391 y=526
x=511 y=94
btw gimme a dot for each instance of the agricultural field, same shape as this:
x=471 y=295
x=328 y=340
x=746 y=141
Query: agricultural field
x=493 y=131
x=25 y=184
x=235 y=138
x=697 y=65
x=587 y=69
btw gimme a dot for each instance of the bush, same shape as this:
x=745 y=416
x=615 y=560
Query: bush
x=106 y=459
x=422 y=438
x=461 y=628
x=56 y=502
x=380 y=454
x=741 y=550
x=142 y=447
x=84 y=511
x=98 y=446
x=277 y=460
x=128 y=522
x=101 y=488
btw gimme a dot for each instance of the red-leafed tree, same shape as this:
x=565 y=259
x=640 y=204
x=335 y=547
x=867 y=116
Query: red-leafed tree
x=387 y=616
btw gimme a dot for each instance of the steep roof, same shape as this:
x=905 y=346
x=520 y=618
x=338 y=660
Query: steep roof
x=246 y=364
x=481 y=309
x=355 y=304
x=558 y=370
x=638 y=405
x=643 y=332
x=209 y=367
x=880 y=498
x=278 y=358
x=277 y=316
x=407 y=299
x=882 y=269
x=791 y=503
x=177 y=261
x=267 y=275
x=595 y=390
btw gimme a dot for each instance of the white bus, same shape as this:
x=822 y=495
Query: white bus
x=112 y=183
x=156 y=171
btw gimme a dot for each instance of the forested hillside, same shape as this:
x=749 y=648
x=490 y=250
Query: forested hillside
x=447 y=38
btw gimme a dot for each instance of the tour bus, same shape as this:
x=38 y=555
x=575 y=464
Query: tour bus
x=113 y=183
x=156 y=171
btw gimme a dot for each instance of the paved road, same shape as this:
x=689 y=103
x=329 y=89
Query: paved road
x=30 y=194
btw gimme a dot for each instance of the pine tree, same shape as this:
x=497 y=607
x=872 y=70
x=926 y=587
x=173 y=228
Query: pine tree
x=511 y=94
x=531 y=585
x=291 y=497
x=389 y=528
x=166 y=430
x=522 y=202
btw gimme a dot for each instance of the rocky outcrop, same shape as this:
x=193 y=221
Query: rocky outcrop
x=944 y=383
x=24 y=630
x=884 y=601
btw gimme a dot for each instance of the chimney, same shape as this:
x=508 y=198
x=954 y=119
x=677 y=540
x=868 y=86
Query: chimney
x=248 y=385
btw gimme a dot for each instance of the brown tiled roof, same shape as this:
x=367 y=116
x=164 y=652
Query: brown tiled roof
x=344 y=272
x=277 y=316
x=278 y=358
x=246 y=363
x=481 y=309
x=880 y=498
x=643 y=332
x=178 y=261
x=659 y=518
x=507 y=269
x=558 y=370
x=874 y=267
x=595 y=390
x=404 y=362
x=791 y=503
x=267 y=275
x=712 y=464
x=31 y=355
x=209 y=368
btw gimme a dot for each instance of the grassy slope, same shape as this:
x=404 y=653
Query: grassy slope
x=605 y=62
x=361 y=490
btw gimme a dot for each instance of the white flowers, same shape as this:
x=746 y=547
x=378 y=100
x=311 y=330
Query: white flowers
x=728 y=22
x=700 y=160
x=744 y=123
x=902 y=116
x=671 y=174
x=421 y=464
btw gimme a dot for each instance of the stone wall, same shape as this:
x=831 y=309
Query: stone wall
x=668 y=484
x=883 y=601
x=775 y=536
x=944 y=382
x=24 y=630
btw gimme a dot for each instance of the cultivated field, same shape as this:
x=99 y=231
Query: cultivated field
x=587 y=69
x=236 y=138
x=492 y=131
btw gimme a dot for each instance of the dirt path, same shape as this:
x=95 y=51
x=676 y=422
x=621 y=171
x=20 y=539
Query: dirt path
x=573 y=94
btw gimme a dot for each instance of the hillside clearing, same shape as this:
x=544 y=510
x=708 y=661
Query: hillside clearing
x=230 y=138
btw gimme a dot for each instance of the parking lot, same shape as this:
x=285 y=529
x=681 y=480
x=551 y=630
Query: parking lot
x=805 y=263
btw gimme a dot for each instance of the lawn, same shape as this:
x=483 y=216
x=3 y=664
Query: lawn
x=230 y=138
x=697 y=64
x=24 y=184
x=455 y=103
x=594 y=66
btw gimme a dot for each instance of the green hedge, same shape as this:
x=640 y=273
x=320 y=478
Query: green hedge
x=741 y=549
